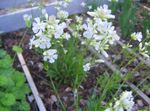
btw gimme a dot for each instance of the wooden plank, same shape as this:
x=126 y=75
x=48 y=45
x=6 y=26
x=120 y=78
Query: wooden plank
x=139 y=92
x=14 y=21
x=34 y=90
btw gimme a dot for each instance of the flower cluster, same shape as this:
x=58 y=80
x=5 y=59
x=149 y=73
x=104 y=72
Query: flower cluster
x=102 y=12
x=49 y=31
x=99 y=31
x=143 y=49
x=137 y=36
x=125 y=102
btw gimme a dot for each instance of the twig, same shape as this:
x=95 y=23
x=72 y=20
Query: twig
x=31 y=83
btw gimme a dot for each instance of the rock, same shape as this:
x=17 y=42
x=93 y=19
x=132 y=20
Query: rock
x=147 y=92
x=135 y=108
x=103 y=103
x=136 y=74
x=140 y=103
x=30 y=98
x=135 y=62
x=53 y=98
x=40 y=66
x=65 y=98
x=124 y=70
x=68 y=89
x=83 y=102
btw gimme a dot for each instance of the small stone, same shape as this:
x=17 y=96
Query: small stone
x=68 y=89
x=124 y=70
x=31 y=62
x=135 y=108
x=30 y=98
x=81 y=87
x=136 y=74
x=140 y=103
x=135 y=62
x=103 y=103
x=65 y=98
x=83 y=102
x=147 y=92
x=40 y=66
x=53 y=98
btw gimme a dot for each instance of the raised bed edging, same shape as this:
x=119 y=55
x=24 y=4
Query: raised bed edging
x=14 y=3
x=14 y=21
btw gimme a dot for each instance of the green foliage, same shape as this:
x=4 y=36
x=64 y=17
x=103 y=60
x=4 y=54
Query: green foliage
x=68 y=68
x=12 y=86
x=145 y=21
x=94 y=104
x=17 y=49
x=108 y=84
x=127 y=18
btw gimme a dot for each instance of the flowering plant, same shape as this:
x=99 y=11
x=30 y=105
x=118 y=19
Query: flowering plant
x=58 y=39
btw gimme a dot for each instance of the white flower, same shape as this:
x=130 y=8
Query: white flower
x=44 y=12
x=105 y=53
x=67 y=36
x=89 y=30
x=31 y=42
x=27 y=17
x=126 y=99
x=124 y=103
x=62 y=14
x=108 y=109
x=60 y=30
x=83 y=4
x=90 y=7
x=50 y=55
x=42 y=42
x=137 y=36
x=102 y=12
x=86 y=67
x=99 y=61
x=38 y=26
x=143 y=49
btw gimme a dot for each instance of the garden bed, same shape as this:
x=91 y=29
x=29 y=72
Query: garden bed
x=34 y=63
x=54 y=93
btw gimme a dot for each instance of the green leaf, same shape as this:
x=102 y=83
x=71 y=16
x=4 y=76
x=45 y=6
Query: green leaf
x=24 y=106
x=3 y=80
x=8 y=99
x=2 y=53
x=17 y=49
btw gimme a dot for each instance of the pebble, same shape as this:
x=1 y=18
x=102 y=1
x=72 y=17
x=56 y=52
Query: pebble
x=68 y=89
x=40 y=66
x=53 y=98
x=30 y=98
x=65 y=98
x=136 y=74
x=124 y=70
x=83 y=102
x=147 y=92
x=140 y=103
